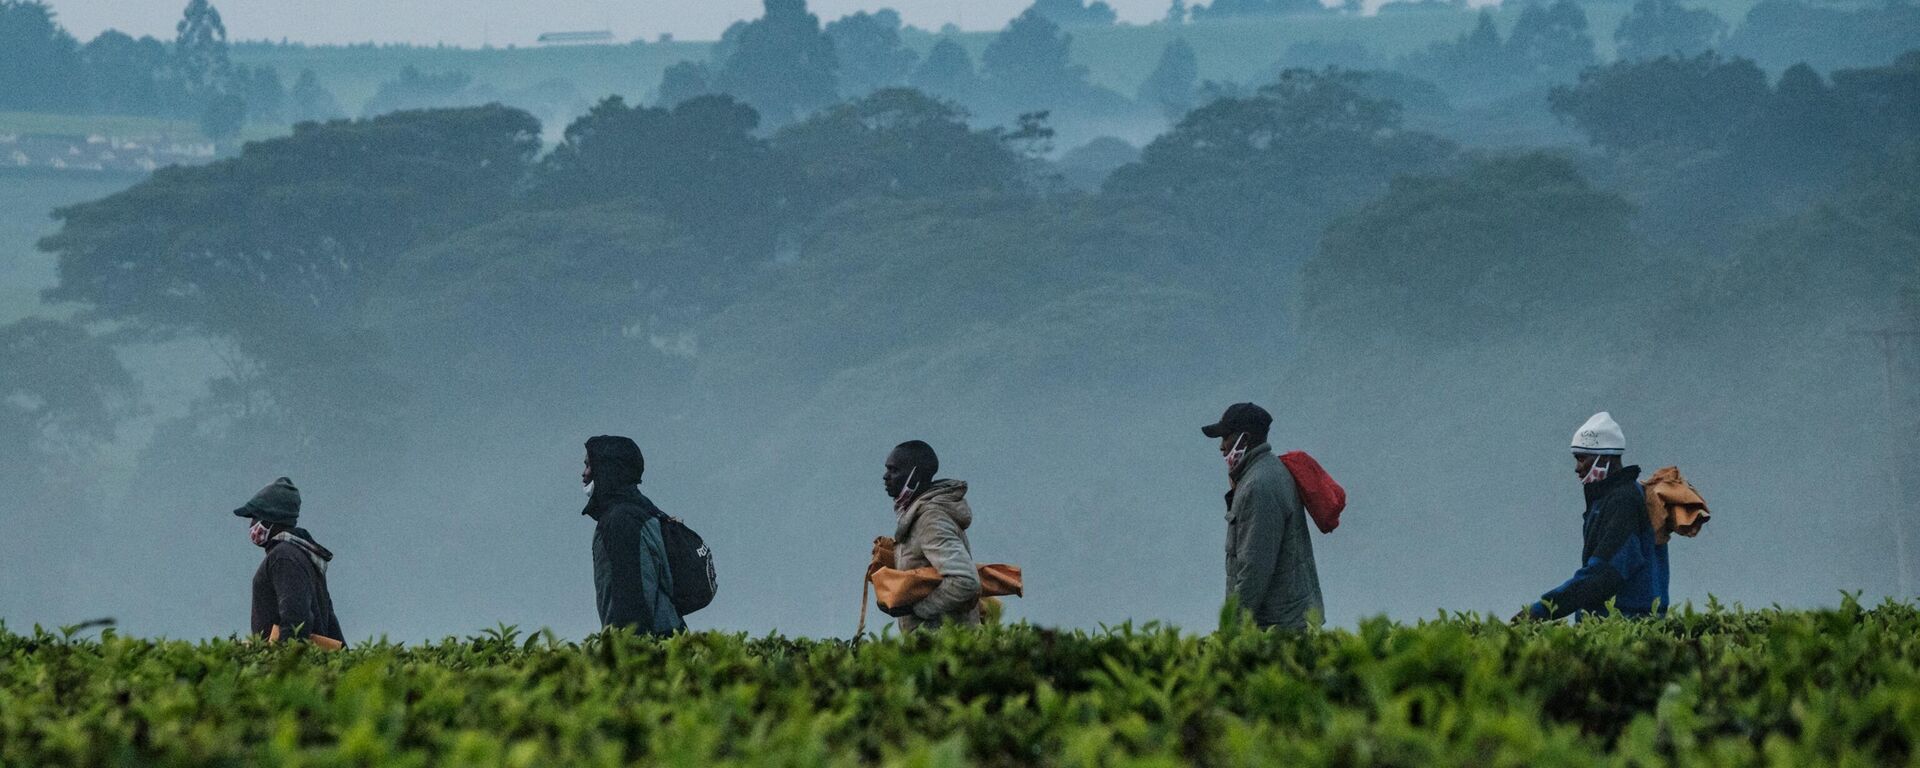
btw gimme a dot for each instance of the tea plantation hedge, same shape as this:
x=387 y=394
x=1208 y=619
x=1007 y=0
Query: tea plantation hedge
x=1715 y=687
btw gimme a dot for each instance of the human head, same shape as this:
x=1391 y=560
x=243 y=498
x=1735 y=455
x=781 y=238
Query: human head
x=1598 y=446
x=613 y=462
x=276 y=504
x=1584 y=465
x=1243 y=424
x=274 y=509
x=913 y=458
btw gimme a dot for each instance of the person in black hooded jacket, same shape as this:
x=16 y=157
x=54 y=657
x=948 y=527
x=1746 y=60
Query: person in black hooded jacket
x=633 y=587
x=290 y=587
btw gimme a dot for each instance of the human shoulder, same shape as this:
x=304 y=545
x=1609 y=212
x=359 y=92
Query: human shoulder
x=1265 y=474
x=284 y=552
x=944 y=504
x=622 y=519
x=1624 y=504
x=285 y=560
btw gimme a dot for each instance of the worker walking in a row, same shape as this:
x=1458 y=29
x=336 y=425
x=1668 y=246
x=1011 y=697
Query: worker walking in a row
x=931 y=517
x=290 y=597
x=1621 y=558
x=649 y=570
x=632 y=582
x=1270 y=568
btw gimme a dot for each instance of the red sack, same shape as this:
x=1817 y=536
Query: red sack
x=1323 y=497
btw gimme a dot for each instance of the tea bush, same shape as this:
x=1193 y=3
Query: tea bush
x=1713 y=687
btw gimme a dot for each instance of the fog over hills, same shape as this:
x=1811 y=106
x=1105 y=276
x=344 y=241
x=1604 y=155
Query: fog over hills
x=1430 y=258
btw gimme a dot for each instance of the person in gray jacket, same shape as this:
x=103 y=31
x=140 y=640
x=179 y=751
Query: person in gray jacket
x=930 y=529
x=1270 y=566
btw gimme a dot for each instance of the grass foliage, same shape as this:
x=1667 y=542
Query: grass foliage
x=1714 y=687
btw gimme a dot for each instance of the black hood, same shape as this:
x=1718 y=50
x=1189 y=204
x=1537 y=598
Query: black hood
x=616 y=462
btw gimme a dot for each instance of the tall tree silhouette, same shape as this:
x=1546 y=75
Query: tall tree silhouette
x=683 y=81
x=312 y=101
x=1664 y=27
x=123 y=73
x=868 y=48
x=1170 y=86
x=200 y=61
x=1076 y=12
x=780 y=63
x=39 y=61
x=947 y=71
x=1028 y=62
x=1552 y=40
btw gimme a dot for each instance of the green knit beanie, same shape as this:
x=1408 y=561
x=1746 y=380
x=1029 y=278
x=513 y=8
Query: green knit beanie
x=278 y=503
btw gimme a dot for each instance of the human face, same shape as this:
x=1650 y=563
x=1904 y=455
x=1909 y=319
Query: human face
x=1583 y=463
x=1227 y=442
x=586 y=471
x=898 y=468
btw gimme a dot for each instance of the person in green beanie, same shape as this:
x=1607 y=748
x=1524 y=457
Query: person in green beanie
x=290 y=587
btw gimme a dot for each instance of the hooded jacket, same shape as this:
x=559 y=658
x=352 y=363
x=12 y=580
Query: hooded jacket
x=932 y=531
x=1270 y=566
x=1620 y=557
x=290 y=588
x=633 y=587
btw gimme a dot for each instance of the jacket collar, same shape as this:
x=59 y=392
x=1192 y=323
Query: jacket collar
x=606 y=497
x=1253 y=455
x=949 y=491
x=300 y=539
x=1599 y=490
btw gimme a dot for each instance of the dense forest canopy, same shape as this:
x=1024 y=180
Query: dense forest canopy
x=820 y=237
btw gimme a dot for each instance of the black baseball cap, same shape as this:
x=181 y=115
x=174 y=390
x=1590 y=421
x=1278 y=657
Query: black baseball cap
x=1240 y=417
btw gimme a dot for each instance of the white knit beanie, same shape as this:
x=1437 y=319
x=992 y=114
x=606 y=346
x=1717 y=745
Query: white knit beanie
x=1600 y=435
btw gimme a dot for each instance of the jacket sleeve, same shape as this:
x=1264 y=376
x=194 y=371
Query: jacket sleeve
x=630 y=587
x=1258 y=531
x=939 y=539
x=1599 y=579
x=293 y=595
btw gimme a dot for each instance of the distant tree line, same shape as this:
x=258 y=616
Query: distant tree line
x=1548 y=42
x=43 y=68
x=292 y=249
x=696 y=248
x=787 y=65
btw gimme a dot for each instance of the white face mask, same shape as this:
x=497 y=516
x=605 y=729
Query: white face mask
x=588 y=488
x=907 y=489
x=259 y=533
x=1597 y=472
x=1237 y=453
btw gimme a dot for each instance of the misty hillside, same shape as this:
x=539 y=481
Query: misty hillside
x=1430 y=262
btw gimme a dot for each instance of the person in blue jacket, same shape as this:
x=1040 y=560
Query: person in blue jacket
x=1620 y=558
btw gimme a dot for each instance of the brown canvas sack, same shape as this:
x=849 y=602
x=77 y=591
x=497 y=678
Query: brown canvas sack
x=892 y=587
x=1673 y=506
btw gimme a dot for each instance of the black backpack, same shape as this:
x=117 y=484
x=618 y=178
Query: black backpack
x=691 y=563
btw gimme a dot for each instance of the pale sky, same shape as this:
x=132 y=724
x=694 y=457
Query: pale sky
x=473 y=22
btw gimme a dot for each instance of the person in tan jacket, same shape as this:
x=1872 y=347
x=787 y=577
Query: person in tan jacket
x=930 y=529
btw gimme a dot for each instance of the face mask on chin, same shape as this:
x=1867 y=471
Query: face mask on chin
x=1597 y=472
x=1237 y=453
x=907 y=489
x=259 y=533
